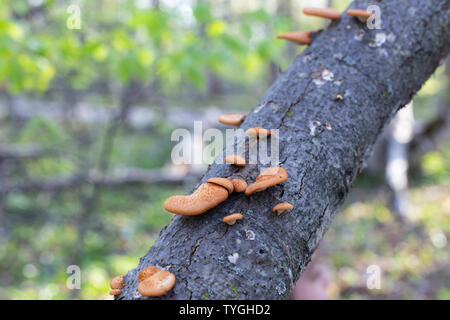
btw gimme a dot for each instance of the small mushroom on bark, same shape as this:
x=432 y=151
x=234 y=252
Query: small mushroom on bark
x=115 y=292
x=223 y=182
x=328 y=13
x=158 y=284
x=361 y=15
x=117 y=282
x=235 y=159
x=147 y=272
x=206 y=197
x=299 y=37
x=258 y=132
x=267 y=178
x=282 y=207
x=239 y=185
x=232 y=218
x=234 y=119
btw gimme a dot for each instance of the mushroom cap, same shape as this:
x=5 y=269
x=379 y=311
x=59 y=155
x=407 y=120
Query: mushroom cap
x=234 y=119
x=258 y=132
x=231 y=218
x=362 y=15
x=239 y=185
x=236 y=160
x=328 y=13
x=223 y=182
x=115 y=292
x=206 y=197
x=300 y=37
x=157 y=285
x=267 y=178
x=281 y=207
x=117 y=282
x=147 y=272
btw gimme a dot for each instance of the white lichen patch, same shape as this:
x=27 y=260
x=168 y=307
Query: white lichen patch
x=281 y=288
x=338 y=82
x=380 y=39
x=249 y=235
x=258 y=108
x=312 y=127
x=233 y=258
x=412 y=11
x=383 y=52
x=319 y=82
x=307 y=58
x=320 y=78
x=391 y=37
x=327 y=75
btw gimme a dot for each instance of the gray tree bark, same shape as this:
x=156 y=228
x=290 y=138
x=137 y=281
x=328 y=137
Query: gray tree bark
x=377 y=72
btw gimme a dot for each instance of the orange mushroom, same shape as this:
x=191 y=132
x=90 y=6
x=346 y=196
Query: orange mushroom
x=232 y=218
x=239 y=185
x=206 y=197
x=223 y=182
x=282 y=207
x=258 y=132
x=235 y=159
x=328 y=13
x=158 y=284
x=361 y=15
x=117 y=282
x=115 y=292
x=299 y=37
x=234 y=119
x=147 y=272
x=267 y=178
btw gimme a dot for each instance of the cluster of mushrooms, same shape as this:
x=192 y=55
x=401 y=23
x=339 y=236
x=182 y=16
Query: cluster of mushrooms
x=154 y=282
x=304 y=37
x=217 y=189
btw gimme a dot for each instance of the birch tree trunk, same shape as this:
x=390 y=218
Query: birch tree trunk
x=377 y=72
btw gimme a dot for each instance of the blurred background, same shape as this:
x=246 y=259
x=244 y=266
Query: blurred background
x=86 y=112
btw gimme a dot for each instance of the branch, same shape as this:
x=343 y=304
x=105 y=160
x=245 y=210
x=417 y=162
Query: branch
x=119 y=178
x=377 y=74
x=22 y=152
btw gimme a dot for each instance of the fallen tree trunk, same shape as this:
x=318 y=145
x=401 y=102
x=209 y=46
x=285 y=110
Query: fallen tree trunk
x=377 y=72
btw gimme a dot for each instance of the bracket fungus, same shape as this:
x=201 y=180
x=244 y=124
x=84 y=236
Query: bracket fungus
x=234 y=119
x=235 y=159
x=206 y=197
x=147 y=272
x=239 y=185
x=117 y=282
x=328 y=13
x=267 y=178
x=116 y=285
x=232 y=218
x=282 y=207
x=223 y=182
x=361 y=15
x=299 y=37
x=115 y=292
x=158 y=284
x=258 y=132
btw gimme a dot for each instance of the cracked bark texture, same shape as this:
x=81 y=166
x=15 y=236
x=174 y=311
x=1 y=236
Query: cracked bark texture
x=377 y=72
